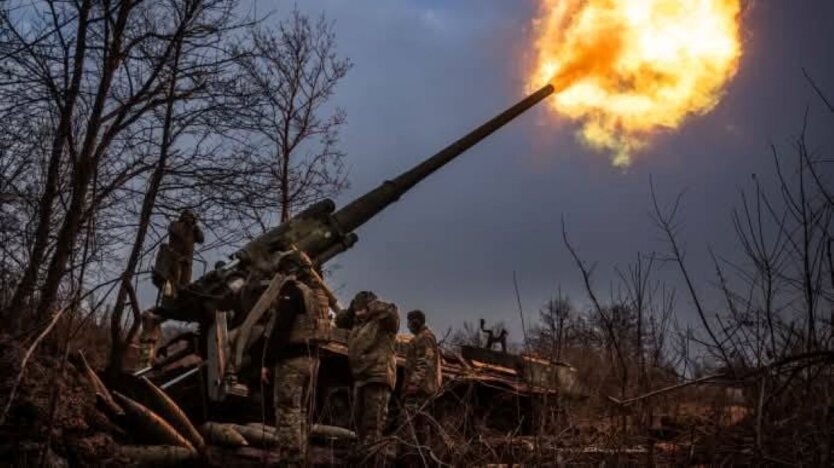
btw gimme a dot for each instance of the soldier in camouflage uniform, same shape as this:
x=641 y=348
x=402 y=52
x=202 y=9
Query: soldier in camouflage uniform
x=373 y=328
x=421 y=380
x=301 y=315
x=172 y=272
x=149 y=338
x=182 y=235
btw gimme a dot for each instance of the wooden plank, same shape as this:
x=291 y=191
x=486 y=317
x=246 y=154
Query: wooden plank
x=474 y=353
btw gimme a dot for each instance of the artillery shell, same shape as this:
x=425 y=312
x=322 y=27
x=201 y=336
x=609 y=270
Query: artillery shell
x=100 y=389
x=110 y=407
x=333 y=432
x=223 y=434
x=152 y=423
x=262 y=427
x=257 y=436
x=156 y=455
x=171 y=412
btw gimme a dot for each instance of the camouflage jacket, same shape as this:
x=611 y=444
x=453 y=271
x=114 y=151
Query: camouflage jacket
x=371 y=343
x=294 y=322
x=182 y=237
x=422 y=365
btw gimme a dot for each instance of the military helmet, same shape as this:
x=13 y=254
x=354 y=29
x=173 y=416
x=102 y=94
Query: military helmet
x=416 y=315
x=188 y=214
x=362 y=299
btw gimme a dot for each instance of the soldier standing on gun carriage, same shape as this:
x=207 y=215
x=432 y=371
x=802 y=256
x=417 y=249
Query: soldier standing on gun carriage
x=171 y=273
x=421 y=380
x=373 y=328
x=182 y=235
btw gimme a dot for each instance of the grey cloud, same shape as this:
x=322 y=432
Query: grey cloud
x=427 y=71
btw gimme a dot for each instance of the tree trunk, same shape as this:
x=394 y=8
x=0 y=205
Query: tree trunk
x=148 y=203
x=285 y=188
x=27 y=282
x=88 y=160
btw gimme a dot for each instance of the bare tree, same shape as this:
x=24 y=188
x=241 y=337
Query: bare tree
x=97 y=68
x=551 y=335
x=196 y=71
x=469 y=334
x=97 y=95
x=28 y=60
x=287 y=81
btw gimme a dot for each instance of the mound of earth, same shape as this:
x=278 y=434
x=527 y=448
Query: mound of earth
x=53 y=417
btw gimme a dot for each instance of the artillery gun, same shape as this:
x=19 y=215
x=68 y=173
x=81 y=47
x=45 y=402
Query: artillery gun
x=263 y=269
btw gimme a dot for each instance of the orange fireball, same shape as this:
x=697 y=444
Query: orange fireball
x=626 y=68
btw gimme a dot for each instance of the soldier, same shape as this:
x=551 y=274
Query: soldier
x=421 y=378
x=171 y=272
x=183 y=234
x=373 y=328
x=301 y=314
x=149 y=338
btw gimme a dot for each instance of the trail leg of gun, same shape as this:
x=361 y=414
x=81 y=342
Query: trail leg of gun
x=253 y=317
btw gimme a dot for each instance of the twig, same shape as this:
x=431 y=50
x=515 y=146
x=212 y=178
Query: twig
x=817 y=90
x=666 y=224
x=35 y=344
x=811 y=356
x=760 y=414
x=606 y=320
x=25 y=361
x=667 y=389
x=520 y=310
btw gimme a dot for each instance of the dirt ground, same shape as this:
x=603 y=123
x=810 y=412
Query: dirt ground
x=76 y=432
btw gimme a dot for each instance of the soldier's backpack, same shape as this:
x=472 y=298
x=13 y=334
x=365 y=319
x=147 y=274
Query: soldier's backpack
x=165 y=266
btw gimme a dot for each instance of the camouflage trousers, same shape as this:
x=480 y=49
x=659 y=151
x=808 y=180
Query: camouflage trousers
x=291 y=384
x=370 y=411
x=182 y=273
x=149 y=339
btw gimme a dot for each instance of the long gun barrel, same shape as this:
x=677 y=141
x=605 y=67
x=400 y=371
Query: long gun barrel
x=296 y=246
x=320 y=232
x=366 y=207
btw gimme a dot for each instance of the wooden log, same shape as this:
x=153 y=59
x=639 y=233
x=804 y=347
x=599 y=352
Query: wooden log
x=320 y=430
x=244 y=457
x=223 y=434
x=152 y=424
x=163 y=405
x=157 y=455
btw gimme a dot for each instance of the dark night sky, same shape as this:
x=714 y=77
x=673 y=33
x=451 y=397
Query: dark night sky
x=428 y=71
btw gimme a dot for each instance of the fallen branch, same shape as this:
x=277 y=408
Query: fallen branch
x=25 y=361
x=154 y=455
x=37 y=341
x=811 y=357
x=818 y=90
x=667 y=389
